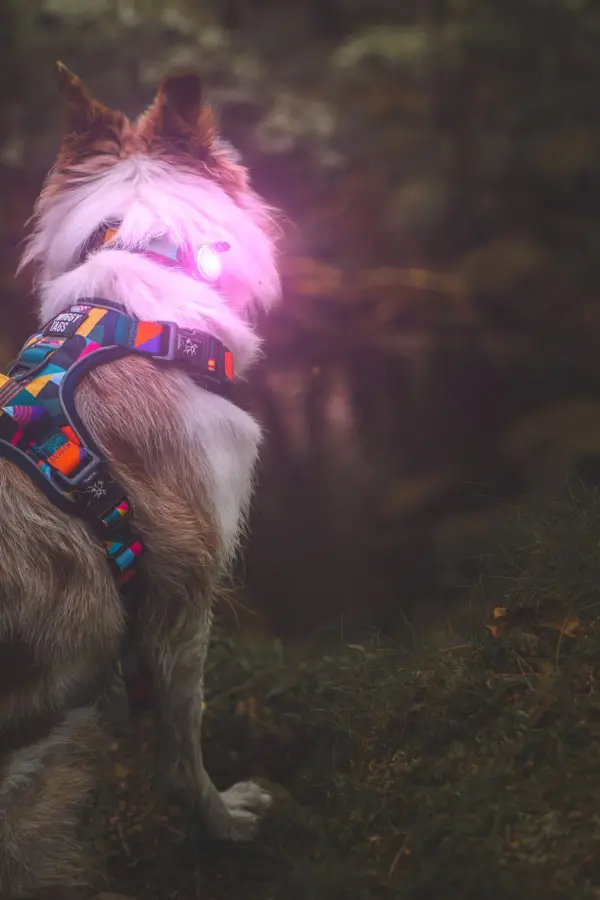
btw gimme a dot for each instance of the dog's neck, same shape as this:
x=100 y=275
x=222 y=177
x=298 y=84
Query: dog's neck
x=155 y=204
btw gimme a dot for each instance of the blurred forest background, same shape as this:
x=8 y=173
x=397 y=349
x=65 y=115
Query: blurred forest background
x=436 y=355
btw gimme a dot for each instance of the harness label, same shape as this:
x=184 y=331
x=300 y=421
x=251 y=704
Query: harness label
x=65 y=324
x=188 y=347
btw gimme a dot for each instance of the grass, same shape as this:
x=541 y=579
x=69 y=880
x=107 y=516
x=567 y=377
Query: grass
x=472 y=771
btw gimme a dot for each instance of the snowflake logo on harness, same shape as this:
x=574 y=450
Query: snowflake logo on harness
x=96 y=489
x=189 y=347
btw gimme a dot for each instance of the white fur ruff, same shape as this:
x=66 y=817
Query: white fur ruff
x=151 y=199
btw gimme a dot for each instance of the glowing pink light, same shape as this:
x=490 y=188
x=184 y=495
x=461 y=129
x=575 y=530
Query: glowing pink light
x=204 y=263
x=208 y=262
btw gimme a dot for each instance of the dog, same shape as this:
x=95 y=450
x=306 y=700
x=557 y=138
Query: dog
x=184 y=454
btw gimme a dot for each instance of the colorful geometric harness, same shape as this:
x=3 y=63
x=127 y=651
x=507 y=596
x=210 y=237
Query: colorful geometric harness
x=42 y=433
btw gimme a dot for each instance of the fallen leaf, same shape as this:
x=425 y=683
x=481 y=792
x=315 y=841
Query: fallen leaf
x=550 y=615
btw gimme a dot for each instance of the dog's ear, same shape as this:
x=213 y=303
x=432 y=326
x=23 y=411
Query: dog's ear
x=179 y=116
x=182 y=97
x=83 y=113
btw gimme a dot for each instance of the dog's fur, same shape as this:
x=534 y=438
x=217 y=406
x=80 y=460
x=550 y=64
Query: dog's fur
x=185 y=456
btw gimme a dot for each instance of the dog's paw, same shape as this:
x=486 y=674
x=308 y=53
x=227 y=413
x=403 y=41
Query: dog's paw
x=245 y=804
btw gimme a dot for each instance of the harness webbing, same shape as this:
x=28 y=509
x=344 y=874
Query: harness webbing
x=41 y=431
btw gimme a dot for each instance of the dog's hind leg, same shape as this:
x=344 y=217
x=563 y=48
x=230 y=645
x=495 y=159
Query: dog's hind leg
x=44 y=786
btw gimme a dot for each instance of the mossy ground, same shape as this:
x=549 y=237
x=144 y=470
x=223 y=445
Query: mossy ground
x=471 y=771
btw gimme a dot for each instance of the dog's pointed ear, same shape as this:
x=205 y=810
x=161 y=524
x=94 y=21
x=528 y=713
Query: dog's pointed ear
x=179 y=115
x=182 y=98
x=83 y=113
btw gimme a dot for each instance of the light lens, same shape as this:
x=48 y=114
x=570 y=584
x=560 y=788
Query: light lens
x=209 y=263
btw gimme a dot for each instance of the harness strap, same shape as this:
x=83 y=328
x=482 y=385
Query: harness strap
x=41 y=431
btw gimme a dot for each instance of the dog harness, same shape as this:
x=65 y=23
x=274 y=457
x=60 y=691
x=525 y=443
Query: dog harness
x=42 y=433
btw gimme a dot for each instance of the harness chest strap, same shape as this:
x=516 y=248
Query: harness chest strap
x=41 y=431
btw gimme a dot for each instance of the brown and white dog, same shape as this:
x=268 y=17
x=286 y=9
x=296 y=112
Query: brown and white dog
x=184 y=455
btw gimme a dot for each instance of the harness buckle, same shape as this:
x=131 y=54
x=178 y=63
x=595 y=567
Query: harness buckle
x=98 y=493
x=172 y=335
x=83 y=476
